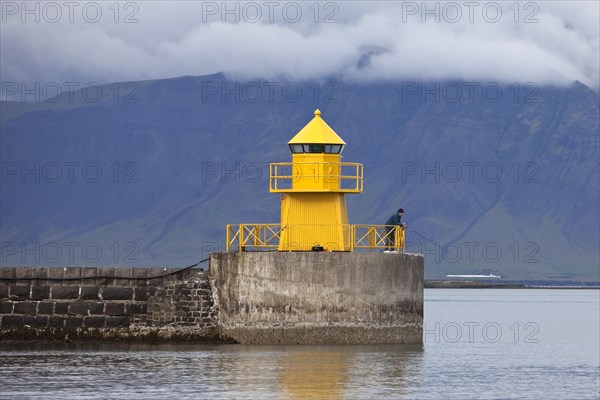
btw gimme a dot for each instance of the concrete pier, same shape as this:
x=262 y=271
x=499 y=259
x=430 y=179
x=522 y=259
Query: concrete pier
x=245 y=297
x=318 y=297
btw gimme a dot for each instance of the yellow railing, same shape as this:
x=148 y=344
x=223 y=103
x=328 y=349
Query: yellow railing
x=253 y=236
x=378 y=237
x=284 y=174
x=256 y=237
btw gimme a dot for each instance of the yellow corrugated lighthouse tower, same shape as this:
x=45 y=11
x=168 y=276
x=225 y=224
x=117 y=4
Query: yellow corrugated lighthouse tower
x=313 y=206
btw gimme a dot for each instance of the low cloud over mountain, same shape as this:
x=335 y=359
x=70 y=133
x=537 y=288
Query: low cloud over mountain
x=541 y=42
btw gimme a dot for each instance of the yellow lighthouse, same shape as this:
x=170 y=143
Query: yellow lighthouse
x=313 y=206
x=273 y=276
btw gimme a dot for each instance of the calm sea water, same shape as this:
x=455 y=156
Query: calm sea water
x=479 y=344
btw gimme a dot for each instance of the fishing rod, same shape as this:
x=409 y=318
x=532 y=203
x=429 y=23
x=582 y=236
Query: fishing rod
x=430 y=241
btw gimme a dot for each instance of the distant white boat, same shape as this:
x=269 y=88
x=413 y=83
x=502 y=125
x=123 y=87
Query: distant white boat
x=474 y=276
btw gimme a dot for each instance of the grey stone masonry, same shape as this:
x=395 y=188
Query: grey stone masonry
x=146 y=306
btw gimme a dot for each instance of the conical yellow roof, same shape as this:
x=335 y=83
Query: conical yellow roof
x=317 y=131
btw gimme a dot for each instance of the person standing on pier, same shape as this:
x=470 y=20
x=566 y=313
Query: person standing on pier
x=390 y=236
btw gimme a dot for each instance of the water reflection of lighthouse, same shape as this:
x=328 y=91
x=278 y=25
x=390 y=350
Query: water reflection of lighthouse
x=314 y=374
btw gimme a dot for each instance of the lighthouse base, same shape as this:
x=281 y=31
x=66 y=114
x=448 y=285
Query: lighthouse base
x=318 y=297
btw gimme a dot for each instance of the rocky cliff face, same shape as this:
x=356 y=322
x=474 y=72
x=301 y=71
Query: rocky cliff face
x=504 y=179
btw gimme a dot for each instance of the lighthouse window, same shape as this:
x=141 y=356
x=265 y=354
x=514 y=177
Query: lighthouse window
x=336 y=148
x=315 y=148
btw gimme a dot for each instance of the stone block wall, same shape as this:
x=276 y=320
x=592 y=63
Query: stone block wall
x=72 y=303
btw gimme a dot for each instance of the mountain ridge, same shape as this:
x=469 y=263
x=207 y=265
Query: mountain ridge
x=179 y=164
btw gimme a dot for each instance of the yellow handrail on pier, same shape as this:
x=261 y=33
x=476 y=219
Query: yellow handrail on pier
x=244 y=237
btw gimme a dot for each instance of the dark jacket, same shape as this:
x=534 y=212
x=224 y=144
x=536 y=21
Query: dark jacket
x=394 y=220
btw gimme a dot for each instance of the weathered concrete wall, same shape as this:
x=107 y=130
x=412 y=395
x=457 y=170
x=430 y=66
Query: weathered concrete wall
x=319 y=297
x=298 y=297
x=174 y=307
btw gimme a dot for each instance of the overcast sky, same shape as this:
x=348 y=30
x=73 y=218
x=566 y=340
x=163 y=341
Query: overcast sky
x=544 y=42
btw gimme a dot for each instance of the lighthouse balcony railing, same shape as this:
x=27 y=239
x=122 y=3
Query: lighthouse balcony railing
x=341 y=177
x=302 y=237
